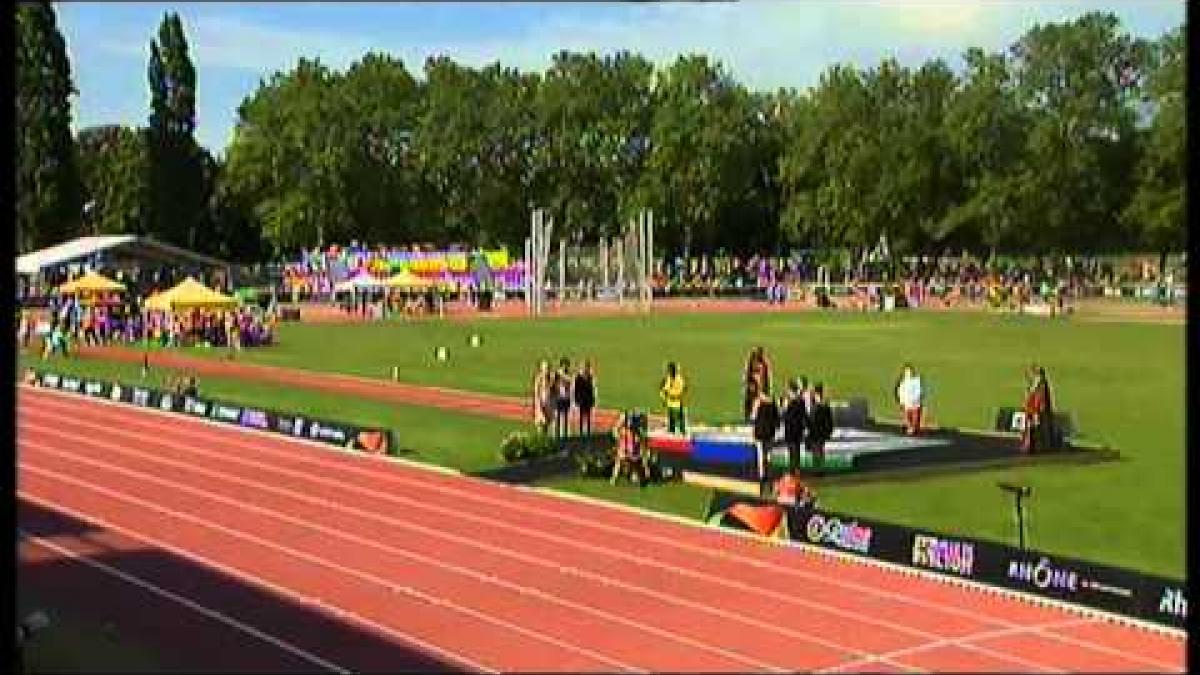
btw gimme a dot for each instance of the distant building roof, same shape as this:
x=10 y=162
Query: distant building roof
x=84 y=247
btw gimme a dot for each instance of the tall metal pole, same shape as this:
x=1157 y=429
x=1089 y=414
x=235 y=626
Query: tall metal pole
x=562 y=268
x=621 y=269
x=604 y=260
x=532 y=266
x=536 y=258
x=543 y=255
x=641 y=241
x=528 y=271
x=649 y=258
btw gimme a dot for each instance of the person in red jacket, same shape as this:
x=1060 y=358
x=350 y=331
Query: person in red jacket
x=757 y=381
x=1039 y=413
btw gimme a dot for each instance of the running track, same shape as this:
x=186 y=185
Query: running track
x=429 y=569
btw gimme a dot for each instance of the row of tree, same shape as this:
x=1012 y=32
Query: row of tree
x=1071 y=140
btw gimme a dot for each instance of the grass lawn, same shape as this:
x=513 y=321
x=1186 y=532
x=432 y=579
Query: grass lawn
x=1122 y=382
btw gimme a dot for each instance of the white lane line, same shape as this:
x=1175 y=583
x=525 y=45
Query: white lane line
x=303 y=599
x=185 y=602
x=363 y=575
x=245 y=577
x=607 y=581
x=636 y=559
x=969 y=585
x=959 y=642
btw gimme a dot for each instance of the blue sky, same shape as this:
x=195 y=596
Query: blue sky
x=764 y=43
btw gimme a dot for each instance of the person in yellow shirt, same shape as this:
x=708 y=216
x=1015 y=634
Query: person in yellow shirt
x=672 y=391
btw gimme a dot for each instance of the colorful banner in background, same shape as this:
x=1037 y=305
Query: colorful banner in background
x=344 y=435
x=1120 y=591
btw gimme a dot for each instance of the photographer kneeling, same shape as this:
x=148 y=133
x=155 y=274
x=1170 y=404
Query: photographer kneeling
x=629 y=458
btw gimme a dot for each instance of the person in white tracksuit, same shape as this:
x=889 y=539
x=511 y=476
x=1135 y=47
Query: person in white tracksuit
x=910 y=394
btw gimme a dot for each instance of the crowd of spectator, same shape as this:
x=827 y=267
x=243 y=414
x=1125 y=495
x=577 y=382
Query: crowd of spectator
x=109 y=320
x=315 y=274
x=916 y=282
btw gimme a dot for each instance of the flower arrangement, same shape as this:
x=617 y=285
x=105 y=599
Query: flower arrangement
x=521 y=446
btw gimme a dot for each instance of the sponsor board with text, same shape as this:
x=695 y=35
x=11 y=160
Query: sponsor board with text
x=1103 y=587
x=943 y=555
x=362 y=439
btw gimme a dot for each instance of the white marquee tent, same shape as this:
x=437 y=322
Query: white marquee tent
x=115 y=248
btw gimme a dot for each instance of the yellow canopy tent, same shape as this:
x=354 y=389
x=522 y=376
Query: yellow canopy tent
x=92 y=282
x=187 y=294
x=406 y=279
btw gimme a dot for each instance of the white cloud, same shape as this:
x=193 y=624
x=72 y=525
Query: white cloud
x=218 y=41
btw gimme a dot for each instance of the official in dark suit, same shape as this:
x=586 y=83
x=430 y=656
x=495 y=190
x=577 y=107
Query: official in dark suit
x=766 y=426
x=795 y=421
x=820 y=426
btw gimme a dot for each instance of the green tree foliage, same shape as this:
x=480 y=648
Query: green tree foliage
x=378 y=105
x=593 y=121
x=696 y=139
x=49 y=190
x=289 y=156
x=1035 y=148
x=113 y=163
x=824 y=168
x=1076 y=81
x=476 y=146
x=1157 y=208
x=237 y=232
x=986 y=129
x=449 y=142
x=175 y=163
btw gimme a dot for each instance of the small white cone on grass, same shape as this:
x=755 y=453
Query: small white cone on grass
x=441 y=354
x=475 y=340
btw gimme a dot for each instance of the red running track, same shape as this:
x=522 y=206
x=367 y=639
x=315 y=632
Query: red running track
x=341 y=561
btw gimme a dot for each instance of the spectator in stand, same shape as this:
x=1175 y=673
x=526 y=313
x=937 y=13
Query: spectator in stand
x=26 y=327
x=584 y=391
x=820 y=425
x=910 y=395
x=562 y=398
x=795 y=420
x=50 y=343
x=88 y=326
x=672 y=391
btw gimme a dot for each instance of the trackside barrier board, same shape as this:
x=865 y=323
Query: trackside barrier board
x=1140 y=596
x=341 y=434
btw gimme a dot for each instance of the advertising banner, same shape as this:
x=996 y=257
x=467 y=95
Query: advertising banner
x=353 y=437
x=1112 y=589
